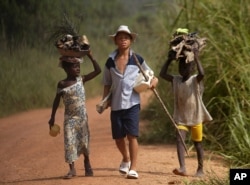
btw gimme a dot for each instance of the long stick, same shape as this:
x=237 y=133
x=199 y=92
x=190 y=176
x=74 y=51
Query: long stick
x=162 y=103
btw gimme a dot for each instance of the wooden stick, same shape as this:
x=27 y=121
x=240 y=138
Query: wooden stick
x=162 y=103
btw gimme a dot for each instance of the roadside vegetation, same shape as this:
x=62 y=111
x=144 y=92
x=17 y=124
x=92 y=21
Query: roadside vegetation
x=227 y=88
x=29 y=71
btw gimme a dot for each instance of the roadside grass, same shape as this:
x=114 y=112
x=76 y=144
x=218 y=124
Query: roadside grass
x=227 y=87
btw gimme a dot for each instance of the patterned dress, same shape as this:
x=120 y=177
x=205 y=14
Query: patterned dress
x=76 y=131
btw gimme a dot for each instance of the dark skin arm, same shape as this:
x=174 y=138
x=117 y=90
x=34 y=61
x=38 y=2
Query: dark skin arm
x=164 y=70
x=200 y=69
x=93 y=74
x=54 y=108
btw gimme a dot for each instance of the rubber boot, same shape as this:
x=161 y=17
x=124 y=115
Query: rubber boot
x=181 y=154
x=87 y=166
x=200 y=153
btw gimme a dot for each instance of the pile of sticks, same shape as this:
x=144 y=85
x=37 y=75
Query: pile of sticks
x=183 y=44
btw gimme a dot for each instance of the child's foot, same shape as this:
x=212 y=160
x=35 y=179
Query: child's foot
x=124 y=167
x=89 y=172
x=70 y=174
x=199 y=173
x=88 y=169
x=179 y=172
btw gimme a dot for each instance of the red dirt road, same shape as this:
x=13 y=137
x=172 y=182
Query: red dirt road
x=29 y=156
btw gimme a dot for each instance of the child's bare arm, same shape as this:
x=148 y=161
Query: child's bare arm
x=164 y=70
x=97 y=69
x=200 y=69
x=106 y=90
x=54 y=109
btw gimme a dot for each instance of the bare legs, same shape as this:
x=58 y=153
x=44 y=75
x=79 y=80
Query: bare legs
x=181 y=156
x=128 y=153
x=87 y=166
x=133 y=151
x=121 y=145
x=72 y=170
x=199 y=150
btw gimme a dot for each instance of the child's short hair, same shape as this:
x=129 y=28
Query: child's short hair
x=66 y=64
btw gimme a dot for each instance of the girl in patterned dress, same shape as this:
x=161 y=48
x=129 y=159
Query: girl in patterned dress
x=76 y=131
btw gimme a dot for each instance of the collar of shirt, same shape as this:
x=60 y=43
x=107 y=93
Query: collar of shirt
x=114 y=53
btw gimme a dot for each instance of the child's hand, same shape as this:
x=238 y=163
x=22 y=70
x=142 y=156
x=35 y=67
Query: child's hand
x=89 y=53
x=196 y=51
x=171 y=55
x=51 y=122
x=153 y=83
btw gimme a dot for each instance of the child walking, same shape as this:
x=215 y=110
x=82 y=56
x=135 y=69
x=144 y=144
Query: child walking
x=189 y=110
x=76 y=130
x=119 y=77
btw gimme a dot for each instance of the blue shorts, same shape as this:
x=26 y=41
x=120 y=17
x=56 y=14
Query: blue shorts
x=125 y=122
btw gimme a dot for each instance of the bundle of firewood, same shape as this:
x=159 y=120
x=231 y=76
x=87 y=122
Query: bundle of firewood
x=183 y=44
x=67 y=40
x=77 y=43
x=75 y=46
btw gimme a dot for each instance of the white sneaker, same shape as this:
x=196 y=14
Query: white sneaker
x=124 y=167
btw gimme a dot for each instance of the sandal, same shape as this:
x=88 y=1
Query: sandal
x=132 y=174
x=124 y=167
x=71 y=174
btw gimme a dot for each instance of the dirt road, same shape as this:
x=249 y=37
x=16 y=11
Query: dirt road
x=29 y=156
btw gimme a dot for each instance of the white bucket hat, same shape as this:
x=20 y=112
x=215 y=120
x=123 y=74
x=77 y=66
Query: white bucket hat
x=124 y=29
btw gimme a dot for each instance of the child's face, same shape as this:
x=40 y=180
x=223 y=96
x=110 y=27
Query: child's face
x=185 y=69
x=74 y=69
x=123 y=40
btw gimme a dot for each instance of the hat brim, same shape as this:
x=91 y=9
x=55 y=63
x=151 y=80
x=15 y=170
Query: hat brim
x=133 y=35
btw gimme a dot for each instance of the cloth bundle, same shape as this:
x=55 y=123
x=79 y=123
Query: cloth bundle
x=141 y=84
x=183 y=44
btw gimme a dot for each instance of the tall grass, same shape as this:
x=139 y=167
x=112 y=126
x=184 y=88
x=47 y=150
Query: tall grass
x=230 y=88
x=226 y=63
x=29 y=79
x=29 y=75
